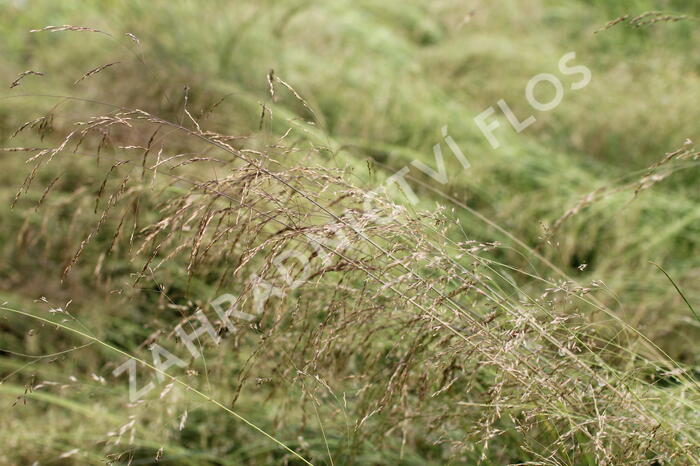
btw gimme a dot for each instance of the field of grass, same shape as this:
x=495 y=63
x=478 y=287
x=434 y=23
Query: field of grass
x=274 y=164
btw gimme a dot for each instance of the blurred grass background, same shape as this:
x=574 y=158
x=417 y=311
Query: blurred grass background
x=382 y=79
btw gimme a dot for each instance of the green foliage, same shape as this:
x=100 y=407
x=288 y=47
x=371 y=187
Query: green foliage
x=343 y=367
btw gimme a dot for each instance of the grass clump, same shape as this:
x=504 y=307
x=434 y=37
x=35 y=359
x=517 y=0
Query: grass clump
x=510 y=316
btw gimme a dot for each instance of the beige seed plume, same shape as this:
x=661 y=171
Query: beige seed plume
x=94 y=71
x=68 y=27
x=22 y=75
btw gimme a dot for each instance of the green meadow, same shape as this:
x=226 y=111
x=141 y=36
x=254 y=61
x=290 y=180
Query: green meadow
x=378 y=283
